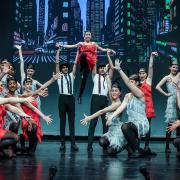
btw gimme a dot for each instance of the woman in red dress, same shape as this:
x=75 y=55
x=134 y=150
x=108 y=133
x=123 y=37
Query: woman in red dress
x=87 y=58
x=145 y=86
x=33 y=133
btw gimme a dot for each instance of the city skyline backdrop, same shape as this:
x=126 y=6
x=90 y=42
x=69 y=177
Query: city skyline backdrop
x=83 y=7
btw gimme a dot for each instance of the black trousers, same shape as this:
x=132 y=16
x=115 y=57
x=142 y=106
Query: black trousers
x=67 y=107
x=97 y=103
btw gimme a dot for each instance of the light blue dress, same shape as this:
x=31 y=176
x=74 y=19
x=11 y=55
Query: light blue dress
x=136 y=115
x=34 y=88
x=115 y=135
x=171 y=108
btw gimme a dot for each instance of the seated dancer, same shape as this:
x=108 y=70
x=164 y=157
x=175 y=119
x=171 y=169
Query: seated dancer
x=137 y=124
x=113 y=139
x=171 y=108
x=66 y=102
x=28 y=73
x=8 y=138
x=145 y=86
x=87 y=58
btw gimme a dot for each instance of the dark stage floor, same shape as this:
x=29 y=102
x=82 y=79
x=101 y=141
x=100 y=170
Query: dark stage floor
x=81 y=166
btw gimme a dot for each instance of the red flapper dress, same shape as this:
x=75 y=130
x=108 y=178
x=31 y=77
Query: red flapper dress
x=146 y=89
x=91 y=54
x=36 y=119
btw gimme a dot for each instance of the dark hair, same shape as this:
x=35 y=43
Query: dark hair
x=101 y=65
x=27 y=80
x=30 y=66
x=116 y=84
x=11 y=79
x=142 y=69
x=134 y=77
x=12 y=64
x=64 y=64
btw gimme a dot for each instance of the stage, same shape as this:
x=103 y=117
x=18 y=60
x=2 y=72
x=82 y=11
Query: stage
x=83 y=166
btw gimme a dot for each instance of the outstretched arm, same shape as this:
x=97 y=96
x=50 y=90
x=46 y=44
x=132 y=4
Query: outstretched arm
x=16 y=110
x=150 y=70
x=12 y=100
x=110 y=108
x=57 y=60
x=48 y=119
x=160 y=84
x=132 y=87
x=111 y=70
x=23 y=75
x=75 y=63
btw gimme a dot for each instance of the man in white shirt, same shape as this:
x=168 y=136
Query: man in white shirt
x=66 y=100
x=99 y=98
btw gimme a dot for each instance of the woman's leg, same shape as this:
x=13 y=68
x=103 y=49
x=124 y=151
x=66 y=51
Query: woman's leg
x=32 y=139
x=168 y=137
x=147 y=138
x=84 y=70
x=104 y=142
x=131 y=134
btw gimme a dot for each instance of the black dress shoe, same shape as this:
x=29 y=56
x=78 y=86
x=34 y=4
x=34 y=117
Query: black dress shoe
x=79 y=100
x=74 y=147
x=147 y=151
x=62 y=147
x=89 y=149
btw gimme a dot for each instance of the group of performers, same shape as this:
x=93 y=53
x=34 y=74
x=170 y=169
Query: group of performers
x=20 y=103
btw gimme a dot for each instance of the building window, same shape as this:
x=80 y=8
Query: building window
x=65 y=14
x=65 y=4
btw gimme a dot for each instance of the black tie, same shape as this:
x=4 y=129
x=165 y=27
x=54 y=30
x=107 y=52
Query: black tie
x=67 y=83
x=99 y=84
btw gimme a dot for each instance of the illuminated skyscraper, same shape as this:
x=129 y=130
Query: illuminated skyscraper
x=95 y=18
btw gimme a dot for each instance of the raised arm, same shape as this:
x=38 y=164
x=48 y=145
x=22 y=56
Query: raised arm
x=119 y=110
x=23 y=75
x=75 y=63
x=110 y=108
x=132 y=87
x=111 y=70
x=150 y=69
x=160 y=84
x=57 y=60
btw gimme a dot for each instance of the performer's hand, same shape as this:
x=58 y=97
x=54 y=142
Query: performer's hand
x=56 y=76
x=29 y=99
x=79 y=44
x=48 y=119
x=154 y=54
x=109 y=121
x=58 y=45
x=18 y=47
x=85 y=121
x=43 y=92
x=169 y=94
x=117 y=64
x=30 y=122
x=173 y=126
